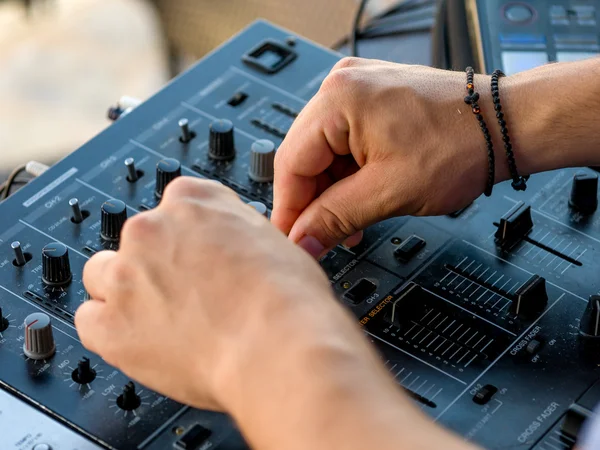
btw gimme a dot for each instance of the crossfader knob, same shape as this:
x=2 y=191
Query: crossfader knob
x=166 y=171
x=262 y=161
x=589 y=325
x=113 y=216
x=584 y=193
x=39 y=341
x=56 y=268
x=221 y=142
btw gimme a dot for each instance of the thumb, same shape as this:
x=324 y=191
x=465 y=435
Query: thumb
x=343 y=210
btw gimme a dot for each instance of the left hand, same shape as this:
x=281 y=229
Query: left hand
x=200 y=296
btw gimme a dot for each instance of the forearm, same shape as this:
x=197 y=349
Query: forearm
x=552 y=113
x=322 y=387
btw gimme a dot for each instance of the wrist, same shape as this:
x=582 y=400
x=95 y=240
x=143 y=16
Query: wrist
x=549 y=118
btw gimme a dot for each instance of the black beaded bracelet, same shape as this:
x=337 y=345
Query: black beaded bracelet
x=519 y=183
x=472 y=99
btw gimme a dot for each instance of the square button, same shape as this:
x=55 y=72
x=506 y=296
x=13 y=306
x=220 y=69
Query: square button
x=194 y=438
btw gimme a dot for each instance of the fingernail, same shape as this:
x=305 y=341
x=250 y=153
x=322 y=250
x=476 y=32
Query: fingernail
x=312 y=246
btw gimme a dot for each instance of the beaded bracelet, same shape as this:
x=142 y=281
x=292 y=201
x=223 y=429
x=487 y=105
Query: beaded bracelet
x=472 y=99
x=519 y=183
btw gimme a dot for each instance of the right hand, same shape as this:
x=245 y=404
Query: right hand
x=379 y=140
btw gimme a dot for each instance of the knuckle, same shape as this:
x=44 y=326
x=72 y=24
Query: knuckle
x=336 y=226
x=185 y=187
x=145 y=226
x=338 y=80
x=346 y=63
x=122 y=273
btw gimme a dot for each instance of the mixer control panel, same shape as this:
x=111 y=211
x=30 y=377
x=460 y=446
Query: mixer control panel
x=487 y=318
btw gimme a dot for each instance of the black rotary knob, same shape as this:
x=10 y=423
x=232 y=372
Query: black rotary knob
x=589 y=326
x=84 y=373
x=222 y=145
x=584 y=193
x=129 y=400
x=3 y=322
x=166 y=171
x=56 y=268
x=113 y=216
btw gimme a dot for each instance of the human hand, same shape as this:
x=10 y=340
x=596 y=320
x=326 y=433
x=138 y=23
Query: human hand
x=199 y=296
x=380 y=140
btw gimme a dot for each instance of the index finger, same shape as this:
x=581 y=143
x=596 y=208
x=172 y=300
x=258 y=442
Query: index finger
x=309 y=149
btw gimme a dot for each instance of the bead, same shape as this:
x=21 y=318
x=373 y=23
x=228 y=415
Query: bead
x=500 y=115
x=498 y=107
x=502 y=123
x=505 y=138
x=470 y=86
x=479 y=117
x=519 y=185
x=476 y=110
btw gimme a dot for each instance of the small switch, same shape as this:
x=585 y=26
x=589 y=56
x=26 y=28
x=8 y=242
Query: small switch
x=409 y=248
x=485 y=394
x=194 y=438
x=237 y=99
x=533 y=347
x=360 y=291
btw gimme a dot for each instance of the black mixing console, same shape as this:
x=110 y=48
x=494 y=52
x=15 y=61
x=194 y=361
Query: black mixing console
x=488 y=318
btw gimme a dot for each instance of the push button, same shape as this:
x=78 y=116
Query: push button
x=559 y=15
x=518 y=13
x=360 y=291
x=409 y=248
x=194 y=438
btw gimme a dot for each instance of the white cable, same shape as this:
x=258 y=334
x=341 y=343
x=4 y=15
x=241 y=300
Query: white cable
x=127 y=102
x=35 y=168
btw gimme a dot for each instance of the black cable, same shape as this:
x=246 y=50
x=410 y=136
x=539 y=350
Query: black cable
x=7 y=185
x=354 y=34
x=394 y=15
x=400 y=31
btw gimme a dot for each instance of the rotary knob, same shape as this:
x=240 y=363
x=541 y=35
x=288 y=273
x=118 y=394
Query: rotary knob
x=3 y=322
x=56 y=268
x=222 y=145
x=84 y=373
x=262 y=161
x=166 y=171
x=589 y=326
x=129 y=399
x=584 y=193
x=39 y=341
x=113 y=216
x=260 y=208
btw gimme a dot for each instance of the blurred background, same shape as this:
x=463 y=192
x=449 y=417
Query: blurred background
x=63 y=62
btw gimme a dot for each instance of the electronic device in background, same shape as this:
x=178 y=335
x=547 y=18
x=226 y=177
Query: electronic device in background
x=515 y=35
x=487 y=318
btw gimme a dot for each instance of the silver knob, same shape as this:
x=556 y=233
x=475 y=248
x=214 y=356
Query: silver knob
x=262 y=161
x=260 y=208
x=39 y=341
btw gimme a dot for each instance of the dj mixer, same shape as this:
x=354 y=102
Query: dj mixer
x=488 y=318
